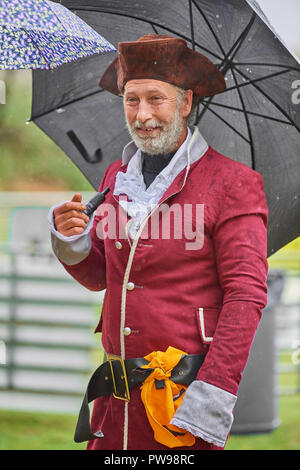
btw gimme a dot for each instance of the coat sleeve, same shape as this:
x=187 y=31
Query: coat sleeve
x=83 y=256
x=90 y=271
x=240 y=242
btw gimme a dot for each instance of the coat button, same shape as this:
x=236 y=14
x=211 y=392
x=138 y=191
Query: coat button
x=127 y=331
x=130 y=286
x=118 y=245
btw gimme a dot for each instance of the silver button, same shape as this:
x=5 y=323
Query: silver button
x=118 y=245
x=130 y=286
x=127 y=331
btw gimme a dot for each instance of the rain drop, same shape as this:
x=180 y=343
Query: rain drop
x=217 y=16
x=220 y=26
x=60 y=110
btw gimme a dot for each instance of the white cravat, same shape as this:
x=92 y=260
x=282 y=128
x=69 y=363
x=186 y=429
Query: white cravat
x=131 y=183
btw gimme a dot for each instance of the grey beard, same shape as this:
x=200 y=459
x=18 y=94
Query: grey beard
x=168 y=140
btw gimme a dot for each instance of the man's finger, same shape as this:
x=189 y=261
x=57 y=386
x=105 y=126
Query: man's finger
x=60 y=218
x=69 y=206
x=73 y=231
x=71 y=223
x=77 y=197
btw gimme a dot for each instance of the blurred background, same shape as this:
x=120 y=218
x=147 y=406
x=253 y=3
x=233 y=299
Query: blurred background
x=47 y=346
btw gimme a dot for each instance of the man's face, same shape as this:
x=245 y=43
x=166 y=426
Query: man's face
x=155 y=115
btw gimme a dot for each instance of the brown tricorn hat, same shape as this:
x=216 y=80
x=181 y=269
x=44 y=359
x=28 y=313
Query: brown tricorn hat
x=164 y=58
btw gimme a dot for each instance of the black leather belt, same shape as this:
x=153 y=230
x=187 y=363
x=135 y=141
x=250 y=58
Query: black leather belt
x=118 y=377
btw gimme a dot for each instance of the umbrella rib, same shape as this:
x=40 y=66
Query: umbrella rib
x=264 y=116
x=170 y=30
x=225 y=122
x=268 y=65
x=68 y=103
x=246 y=119
x=226 y=62
x=208 y=24
x=269 y=98
x=192 y=24
x=236 y=46
x=154 y=29
x=37 y=47
x=251 y=81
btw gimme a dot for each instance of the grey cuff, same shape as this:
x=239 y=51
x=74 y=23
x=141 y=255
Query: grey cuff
x=70 y=250
x=206 y=412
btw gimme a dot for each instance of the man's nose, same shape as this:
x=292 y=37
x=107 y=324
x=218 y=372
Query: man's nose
x=144 y=111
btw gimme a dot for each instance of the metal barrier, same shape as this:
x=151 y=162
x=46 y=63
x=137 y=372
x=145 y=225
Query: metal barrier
x=46 y=327
x=288 y=321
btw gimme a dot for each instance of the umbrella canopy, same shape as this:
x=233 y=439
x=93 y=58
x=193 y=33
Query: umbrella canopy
x=40 y=34
x=255 y=121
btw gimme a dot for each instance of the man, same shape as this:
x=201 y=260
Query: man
x=203 y=299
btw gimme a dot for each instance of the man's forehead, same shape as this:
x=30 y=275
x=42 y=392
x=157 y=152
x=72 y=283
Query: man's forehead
x=148 y=85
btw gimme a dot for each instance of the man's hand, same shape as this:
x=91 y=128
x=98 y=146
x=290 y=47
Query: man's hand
x=68 y=217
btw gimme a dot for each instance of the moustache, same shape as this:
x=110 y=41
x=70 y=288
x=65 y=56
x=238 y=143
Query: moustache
x=152 y=124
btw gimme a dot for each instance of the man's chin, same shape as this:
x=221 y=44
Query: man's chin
x=148 y=144
x=151 y=146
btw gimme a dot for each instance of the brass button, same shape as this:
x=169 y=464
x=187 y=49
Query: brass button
x=127 y=331
x=118 y=245
x=130 y=286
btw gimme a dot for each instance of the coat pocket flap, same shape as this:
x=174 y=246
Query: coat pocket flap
x=207 y=319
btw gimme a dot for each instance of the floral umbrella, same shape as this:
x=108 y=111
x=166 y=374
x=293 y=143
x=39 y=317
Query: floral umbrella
x=40 y=34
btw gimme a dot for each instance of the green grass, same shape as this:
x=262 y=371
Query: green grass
x=285 y=437
x=21 y=430
x=42 y=431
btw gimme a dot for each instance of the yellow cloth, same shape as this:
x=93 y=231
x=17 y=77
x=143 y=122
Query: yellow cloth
x=161 y=404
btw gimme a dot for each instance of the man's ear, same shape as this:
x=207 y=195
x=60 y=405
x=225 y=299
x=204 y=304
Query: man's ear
x=187 y=103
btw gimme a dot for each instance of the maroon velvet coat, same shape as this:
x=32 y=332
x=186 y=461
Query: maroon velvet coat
x=201 y=301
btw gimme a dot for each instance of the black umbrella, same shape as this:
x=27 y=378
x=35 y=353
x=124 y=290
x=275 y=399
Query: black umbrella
x=255 y=121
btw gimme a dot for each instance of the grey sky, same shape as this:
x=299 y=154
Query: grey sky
x=284 y=15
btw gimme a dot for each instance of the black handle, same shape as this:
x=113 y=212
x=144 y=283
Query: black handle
x=95 y=202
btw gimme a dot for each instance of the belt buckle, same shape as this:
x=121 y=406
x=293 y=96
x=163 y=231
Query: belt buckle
x=124 y=395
